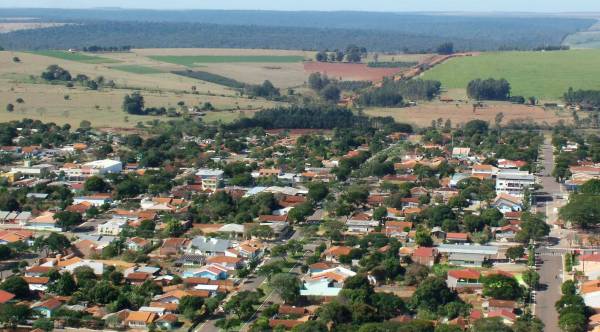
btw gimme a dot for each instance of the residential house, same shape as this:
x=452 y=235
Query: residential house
x=173 y=246
x=459 y=279
x=211 y=178
x=167 y=322
x=140 y=319
x=46 y=308
x=398 y=229
x=136 y=243
x=507 y=203
x=334 y=253
x=457 y=237
x=6 y=296
x=201 y=245
x=425 y=255
x=94 y=200
x=326 y=283
x=461 y=153
x=361 y=223
x=112 y=227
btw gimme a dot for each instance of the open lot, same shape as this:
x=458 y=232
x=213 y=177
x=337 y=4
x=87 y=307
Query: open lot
x=546 y=75
x=423 y=114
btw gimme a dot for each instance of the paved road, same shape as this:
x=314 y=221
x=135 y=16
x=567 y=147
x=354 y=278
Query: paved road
x=551 y=268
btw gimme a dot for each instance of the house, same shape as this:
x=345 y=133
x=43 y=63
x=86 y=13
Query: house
x=468 y=255
x=457 y=237
x=319 y=267
x=334 y=253
x=137 y=278
x=456 y=178
x=505 y=233
x=37 y=283
x=485 y=170
x=327 y=283
x=201 y=245
x=230 y=263
x=167 y=322
x=140 y=319
x=508 y=317
x=212 y=272
x=112 y=227
x=98 y=167
x=94 y=200
x=506 y=203
x=172 y=246
x=514 y=164
x=461 y=153
x=361 y=223
x=513 y=182
x=425 y=255
x=136 y=243
x=397 y=228
x=468 y=278
x=6 y=296
x=44 y=221
x=46 y=308
x=498 y=305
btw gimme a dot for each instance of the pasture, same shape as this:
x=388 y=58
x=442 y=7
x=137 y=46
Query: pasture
x=60 y=104
x=75 y=56
x=546 y=75
x=460 y=113
x=136 y=69
x=196 y=60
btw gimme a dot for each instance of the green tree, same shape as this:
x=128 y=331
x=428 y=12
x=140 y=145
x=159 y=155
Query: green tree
x=533 y=227
x=317 y=191
x=501 y=287
x=334 y=312
x=287 y=286
x=96 y=184
x=43 y=324
x=431 y=294
x=490 y=324
x=531 y=278
x=133 y=104
x=310 y=326
x=65 y=285
x=16 y=285
x=67 y=219
x=10 y=107
x=573 y=322
x=514 y=253
x=189 y=306
x=11 y=315
x=582 y=210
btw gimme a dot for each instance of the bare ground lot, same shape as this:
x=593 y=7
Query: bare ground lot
x=458 y=113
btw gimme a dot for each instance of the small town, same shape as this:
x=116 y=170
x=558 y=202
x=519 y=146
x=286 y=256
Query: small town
x=298 y=229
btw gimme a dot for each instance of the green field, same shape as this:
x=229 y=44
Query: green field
x=546 y=75
x=135 y=69
x=79 y=57
x=193 y=60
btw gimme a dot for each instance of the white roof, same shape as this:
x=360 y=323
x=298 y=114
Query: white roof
x=104 y=163
x=209 y=172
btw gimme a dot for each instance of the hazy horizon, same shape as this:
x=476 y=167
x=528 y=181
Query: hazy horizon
x=476 y=6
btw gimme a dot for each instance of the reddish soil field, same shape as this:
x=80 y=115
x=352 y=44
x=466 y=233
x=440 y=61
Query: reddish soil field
x=350 y=71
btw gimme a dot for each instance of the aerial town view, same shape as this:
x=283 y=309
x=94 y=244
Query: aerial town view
x=313 y=166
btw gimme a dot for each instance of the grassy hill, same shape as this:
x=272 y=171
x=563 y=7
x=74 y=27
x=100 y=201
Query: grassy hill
x=546 y=75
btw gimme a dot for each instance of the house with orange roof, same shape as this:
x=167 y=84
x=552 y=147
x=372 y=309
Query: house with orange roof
x=46 y=308
x=94 y=200
x=334 y=253
x=44 y=221
x=140 y=319
x=460 y=279
x=452 y=237
x=507 y=317
x=425 y=256
x=398 y=229
x=6 y=296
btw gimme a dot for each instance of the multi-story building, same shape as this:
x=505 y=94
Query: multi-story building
x=97 y=167
x=513 y=182
x=211 y=178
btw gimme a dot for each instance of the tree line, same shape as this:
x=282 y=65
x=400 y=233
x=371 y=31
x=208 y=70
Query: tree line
x=585 y=98
x=489 y=89
x=352 y=53
x=96 y=48
x=393 y=93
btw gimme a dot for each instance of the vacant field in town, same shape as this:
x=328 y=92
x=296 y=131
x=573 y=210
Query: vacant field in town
x=546 y=75
x=423 y=114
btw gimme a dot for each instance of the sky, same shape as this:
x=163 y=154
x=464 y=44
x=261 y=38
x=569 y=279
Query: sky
x=327 y=5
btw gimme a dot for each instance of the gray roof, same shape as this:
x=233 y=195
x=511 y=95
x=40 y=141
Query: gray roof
x=467 y=257
x=209 y=244
x=467 y=249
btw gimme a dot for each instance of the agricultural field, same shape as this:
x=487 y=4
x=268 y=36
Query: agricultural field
x=136 y=69
x=422 y=114
x=199 y=60
x=103 y=108
x=75 y=56
x=546 y=75
x=589 y=38
x=6 y=27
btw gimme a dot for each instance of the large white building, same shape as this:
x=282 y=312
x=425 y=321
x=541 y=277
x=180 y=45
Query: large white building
x=97 y=167
x=513 y=182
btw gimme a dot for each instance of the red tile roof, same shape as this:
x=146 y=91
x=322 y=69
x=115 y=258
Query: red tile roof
x=5 y=296
x=464 y=274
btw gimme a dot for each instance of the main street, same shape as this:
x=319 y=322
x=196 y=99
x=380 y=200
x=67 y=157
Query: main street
x=548 y=201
